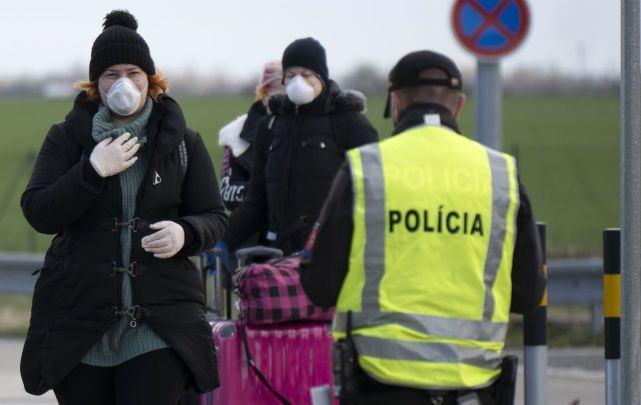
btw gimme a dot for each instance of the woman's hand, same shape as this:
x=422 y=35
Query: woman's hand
x=165 y=243
x=111 y=157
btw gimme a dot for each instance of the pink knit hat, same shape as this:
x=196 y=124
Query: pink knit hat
x=270 y=79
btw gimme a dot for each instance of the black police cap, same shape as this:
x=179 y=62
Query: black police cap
x=407 y=73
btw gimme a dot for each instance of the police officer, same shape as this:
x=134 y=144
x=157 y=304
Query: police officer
x=425 y=245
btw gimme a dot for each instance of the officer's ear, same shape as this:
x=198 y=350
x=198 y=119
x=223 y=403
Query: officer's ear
x=458 y=105
x=395 y=106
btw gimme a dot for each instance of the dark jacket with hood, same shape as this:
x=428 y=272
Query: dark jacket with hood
x=78 y=292
x=236 y=171
x=298 y=152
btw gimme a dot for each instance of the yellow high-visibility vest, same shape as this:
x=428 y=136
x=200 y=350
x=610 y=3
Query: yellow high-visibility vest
x=429 y=281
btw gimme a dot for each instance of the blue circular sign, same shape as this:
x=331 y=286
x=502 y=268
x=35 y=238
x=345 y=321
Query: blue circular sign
x=490 y=28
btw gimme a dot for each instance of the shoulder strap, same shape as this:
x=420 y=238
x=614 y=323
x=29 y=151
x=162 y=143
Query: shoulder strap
x=256 y=370
x=270 y=125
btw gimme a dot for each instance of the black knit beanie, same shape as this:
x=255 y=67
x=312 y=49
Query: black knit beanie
x=307 y=53
x=119 y=43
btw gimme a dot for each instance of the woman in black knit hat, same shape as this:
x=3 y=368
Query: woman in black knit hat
x=118 y=313
x=299 y=148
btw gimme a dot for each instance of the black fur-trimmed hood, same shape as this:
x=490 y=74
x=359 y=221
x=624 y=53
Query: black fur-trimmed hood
x=334 y=100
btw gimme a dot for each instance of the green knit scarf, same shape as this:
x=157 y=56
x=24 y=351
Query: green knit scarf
x=103 y=126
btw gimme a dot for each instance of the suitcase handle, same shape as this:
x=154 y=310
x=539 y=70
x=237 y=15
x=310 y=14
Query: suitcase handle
x=218 y=255
x=250 y=254
x=222 y=289
x=222 y=282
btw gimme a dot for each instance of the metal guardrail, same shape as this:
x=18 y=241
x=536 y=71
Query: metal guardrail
x=571 y=281
x=16 y=269
x=578 y=282
x=575 y=281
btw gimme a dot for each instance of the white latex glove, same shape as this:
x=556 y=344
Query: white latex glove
x=165 y=243
x=111 y=157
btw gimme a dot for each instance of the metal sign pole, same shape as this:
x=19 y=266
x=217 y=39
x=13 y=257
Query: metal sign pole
x=630 y=202
x=488 y=103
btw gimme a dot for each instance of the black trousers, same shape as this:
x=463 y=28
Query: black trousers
x=158 y=377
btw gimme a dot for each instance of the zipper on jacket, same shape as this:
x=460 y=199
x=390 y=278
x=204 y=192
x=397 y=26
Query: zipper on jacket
x=287 y=172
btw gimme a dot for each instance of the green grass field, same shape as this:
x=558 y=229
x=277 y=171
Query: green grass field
x=567 y=148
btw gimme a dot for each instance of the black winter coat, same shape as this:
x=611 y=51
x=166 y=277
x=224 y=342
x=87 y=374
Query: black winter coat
x=78 y=291
x=298 y=152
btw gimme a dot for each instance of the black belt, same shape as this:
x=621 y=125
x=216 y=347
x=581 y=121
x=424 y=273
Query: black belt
x=481 y=396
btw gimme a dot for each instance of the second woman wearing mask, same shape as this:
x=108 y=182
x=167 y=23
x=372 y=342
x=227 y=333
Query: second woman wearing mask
x=238 y=136
x=299 y=149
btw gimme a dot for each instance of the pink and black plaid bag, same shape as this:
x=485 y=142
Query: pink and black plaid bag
x=271 y=293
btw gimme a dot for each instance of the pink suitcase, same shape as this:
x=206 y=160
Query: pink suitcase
x=294 y=358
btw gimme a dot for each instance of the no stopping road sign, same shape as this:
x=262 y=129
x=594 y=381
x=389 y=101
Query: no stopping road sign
x=490 y=28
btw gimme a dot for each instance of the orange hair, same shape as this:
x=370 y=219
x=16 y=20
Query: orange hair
x=158 y=86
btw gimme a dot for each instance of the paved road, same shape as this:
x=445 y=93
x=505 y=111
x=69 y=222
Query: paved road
x=11 y=390
x=566 y=385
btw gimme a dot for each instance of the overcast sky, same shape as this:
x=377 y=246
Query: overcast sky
x=236 y=36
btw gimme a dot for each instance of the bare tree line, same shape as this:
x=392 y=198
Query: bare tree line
x=365 y=78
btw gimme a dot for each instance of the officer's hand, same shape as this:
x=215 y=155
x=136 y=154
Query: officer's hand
x=165 y=243
x=111 y=157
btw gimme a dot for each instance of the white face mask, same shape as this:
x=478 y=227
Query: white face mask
x=299 y=91
x=123 y=97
